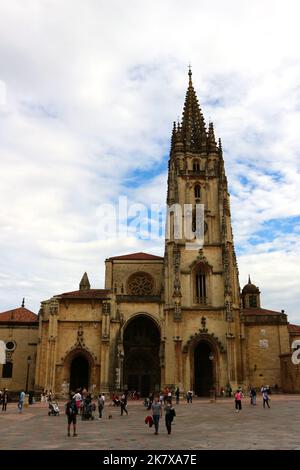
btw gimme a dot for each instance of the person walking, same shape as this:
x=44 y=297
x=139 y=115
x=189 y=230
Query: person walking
x=169 y=416
x=21 y=401
x=71 y=412
x=238 y=400
x=190 y=394
x=123 y=404
x=177 y=393
x=266 y=399
x=253 y=396
x=4 y=399
x=78 y=399
x=156 y=414
x=101 y=402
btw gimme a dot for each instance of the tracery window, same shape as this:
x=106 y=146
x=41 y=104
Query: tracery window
x=140 y=284
x=196 y=165
x=197 y=191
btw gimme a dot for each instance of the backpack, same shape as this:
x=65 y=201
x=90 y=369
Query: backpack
x=71 y=408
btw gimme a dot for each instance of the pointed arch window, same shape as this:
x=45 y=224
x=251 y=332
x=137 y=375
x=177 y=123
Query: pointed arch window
x=201 y=285
x=196 y=165
x=197 y=191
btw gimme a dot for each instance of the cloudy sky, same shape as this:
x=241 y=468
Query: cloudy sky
x=88 y=93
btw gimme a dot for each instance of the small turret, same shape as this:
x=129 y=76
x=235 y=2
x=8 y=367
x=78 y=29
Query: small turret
x=84 y=283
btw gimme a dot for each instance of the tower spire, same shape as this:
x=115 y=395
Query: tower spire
x=193 y=125
x=249 y=280
x=23 y=302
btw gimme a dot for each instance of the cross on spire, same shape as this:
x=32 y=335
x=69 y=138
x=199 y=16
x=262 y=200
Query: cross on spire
x=190 y=73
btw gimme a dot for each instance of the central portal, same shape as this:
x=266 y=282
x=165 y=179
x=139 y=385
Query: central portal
x=203 y=366
x=141 y=356
x=79 y=373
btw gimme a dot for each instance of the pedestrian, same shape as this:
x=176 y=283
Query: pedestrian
x=156 y=414
x=265 y=393
x=123 y=404
x=169 y=416
x=78 y=399
x=177 y=393
x=4 y=399
x=238 y=400
x=21 y=401
x=71 y=412
x=252 y=396
x=101 y=402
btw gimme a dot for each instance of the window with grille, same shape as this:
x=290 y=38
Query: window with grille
x=201 y=288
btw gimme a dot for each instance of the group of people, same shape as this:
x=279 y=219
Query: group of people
x=121 y=402
x=81 y=402
x=157 y=412
x=46 y=396
x=265 y=390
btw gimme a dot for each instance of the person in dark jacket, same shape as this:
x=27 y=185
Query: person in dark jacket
x=4 y=399
x=177 y=393
x=169 y=416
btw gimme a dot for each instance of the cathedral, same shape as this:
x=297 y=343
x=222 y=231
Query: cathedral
x=180 y=320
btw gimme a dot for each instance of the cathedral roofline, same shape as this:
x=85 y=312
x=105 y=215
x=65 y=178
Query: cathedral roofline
x=86 y=294
x=136 y=257
x=260 y=311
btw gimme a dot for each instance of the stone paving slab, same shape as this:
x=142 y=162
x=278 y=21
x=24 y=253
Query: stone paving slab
x=197 y=426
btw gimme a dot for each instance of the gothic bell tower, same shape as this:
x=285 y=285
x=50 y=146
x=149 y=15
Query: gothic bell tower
x=202 y=293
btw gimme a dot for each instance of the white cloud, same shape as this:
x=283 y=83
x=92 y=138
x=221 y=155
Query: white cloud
x=91 y=90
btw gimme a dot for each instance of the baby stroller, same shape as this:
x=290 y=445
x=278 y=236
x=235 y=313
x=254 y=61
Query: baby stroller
x=53 y=409
x=87 y=410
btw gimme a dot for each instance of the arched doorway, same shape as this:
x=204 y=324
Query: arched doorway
x=141 y=370
x=79 y=373
x=203 y=369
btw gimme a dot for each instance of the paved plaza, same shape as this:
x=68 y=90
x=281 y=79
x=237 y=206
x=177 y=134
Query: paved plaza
x=200 y=425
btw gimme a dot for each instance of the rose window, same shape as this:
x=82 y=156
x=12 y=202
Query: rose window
x=140 y=284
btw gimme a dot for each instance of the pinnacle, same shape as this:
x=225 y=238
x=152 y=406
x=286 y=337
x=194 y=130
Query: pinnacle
x=84 y=283
x=212 y=145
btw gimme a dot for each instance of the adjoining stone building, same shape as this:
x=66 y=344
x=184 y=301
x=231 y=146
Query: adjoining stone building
x=178 y=320
x=19 y=331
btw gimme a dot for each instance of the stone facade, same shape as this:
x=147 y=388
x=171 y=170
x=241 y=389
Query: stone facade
x=178 y=320
x=19 y=331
